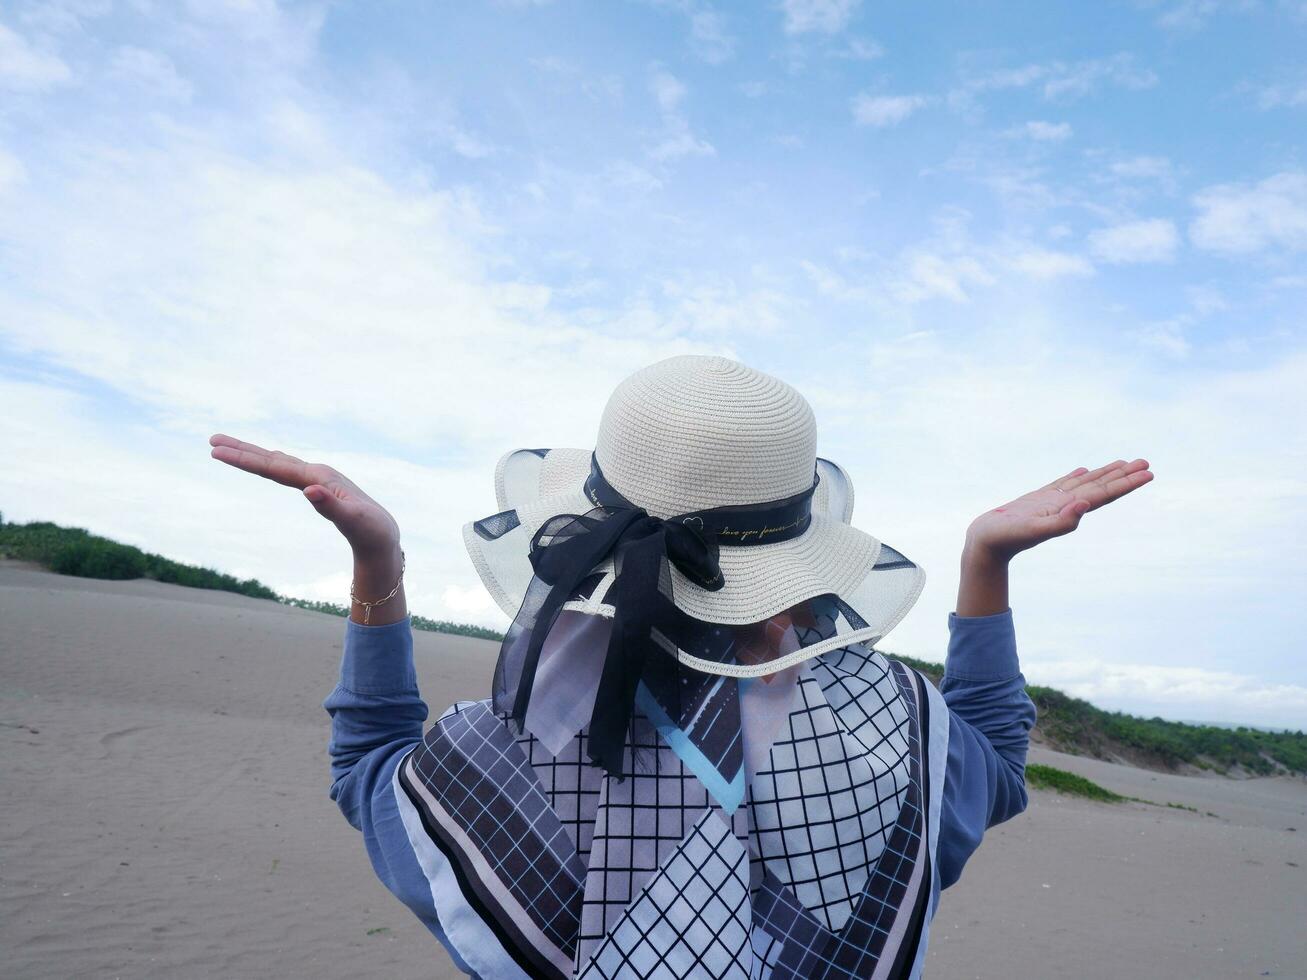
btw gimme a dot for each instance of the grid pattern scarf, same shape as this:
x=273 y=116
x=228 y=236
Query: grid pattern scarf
x=777 y=827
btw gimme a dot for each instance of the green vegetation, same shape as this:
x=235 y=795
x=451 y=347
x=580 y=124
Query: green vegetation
x=75 y=551
x=1047 y=777
x=1050 y=777
x=1071 y=725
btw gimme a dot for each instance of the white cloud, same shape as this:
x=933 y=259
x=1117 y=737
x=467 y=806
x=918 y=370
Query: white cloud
x=327 y=588
x=702 y=306
x=947 y=266
x=679 y=142
x=323 y=254
x=1065 y=80
x=667 y=90
x=817 y=16
x=1206 y=300
x=1282 y=96
x=1194 y=693
x=1040 y=263
x=465 y=144
x=1193 y=15
x=1005 y=78
x=827 y=281
x=12 y=172
x=915 y=275
x=24 y=68
x=603 y=88
x=469 y=603
x=154 y=71
x=225 y=290
x=676 y=140
x=291 y=307
x=710 y=38
x=63 y=16
x=1047 y=132
x=948 y=276
x=156 y=487
x=1083 y=77
x=1152 y=240
x=885 y=110
x=253 y=270
x=862 y=49
x=1167 y=337
x=1022 y=404
x=629 y=176
x=1244 y=218
x=1142 y=168
x=1187 y=15
x=554 y=64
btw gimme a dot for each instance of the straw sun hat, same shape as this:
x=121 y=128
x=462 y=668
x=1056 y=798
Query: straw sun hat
x=691 y=434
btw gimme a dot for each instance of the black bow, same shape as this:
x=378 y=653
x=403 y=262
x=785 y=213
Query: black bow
x=567 y=548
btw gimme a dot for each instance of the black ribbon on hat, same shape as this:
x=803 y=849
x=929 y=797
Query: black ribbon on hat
x=567 y=548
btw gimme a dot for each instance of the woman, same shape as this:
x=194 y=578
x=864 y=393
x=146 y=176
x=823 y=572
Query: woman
x=692 y=762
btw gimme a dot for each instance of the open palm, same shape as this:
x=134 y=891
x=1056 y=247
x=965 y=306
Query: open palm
x=366 y=525
x=1056 y=508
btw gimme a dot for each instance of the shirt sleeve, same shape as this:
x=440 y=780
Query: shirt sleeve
x=990 y=717
x=376 y=719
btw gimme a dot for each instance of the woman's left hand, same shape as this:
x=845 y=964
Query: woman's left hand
x=1054 y=509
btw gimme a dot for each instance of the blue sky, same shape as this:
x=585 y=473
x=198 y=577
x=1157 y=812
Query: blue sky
x=989 y=244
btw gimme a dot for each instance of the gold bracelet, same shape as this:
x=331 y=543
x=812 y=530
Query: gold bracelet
x=367 y=606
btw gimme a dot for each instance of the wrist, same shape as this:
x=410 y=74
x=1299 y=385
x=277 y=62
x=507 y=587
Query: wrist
x=377 y=590
x=983 y=557
x=381 y=561
x=983 y=584
x=376 y=574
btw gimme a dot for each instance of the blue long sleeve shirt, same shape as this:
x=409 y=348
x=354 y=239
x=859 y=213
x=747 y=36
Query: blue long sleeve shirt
x=377 y=714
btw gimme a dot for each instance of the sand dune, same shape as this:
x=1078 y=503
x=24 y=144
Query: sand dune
x=164 y=813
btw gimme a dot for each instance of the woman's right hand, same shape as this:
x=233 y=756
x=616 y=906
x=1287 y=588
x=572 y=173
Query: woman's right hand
x=366 y=525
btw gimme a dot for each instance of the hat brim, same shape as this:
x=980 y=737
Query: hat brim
x=877 y=583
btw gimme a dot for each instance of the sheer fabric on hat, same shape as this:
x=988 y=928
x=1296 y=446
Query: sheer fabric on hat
x=701 y=715
x=863 y=613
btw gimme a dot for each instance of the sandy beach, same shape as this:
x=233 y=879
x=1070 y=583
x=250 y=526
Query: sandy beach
x=164 y=813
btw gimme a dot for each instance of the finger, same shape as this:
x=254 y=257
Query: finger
x=276 y=466
x=1125 y=483
x=326 y=503
x=222 y=439
x=218 y=439
x=1096 y=490
x=1114 y=484
x=1088 y=476
x=1065 y=520
x=1053 y=485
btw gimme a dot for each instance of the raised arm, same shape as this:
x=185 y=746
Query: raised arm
x=373 y=535
x=990 y=717
x=376 y=715
x=990 y=714
x=376 y=711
